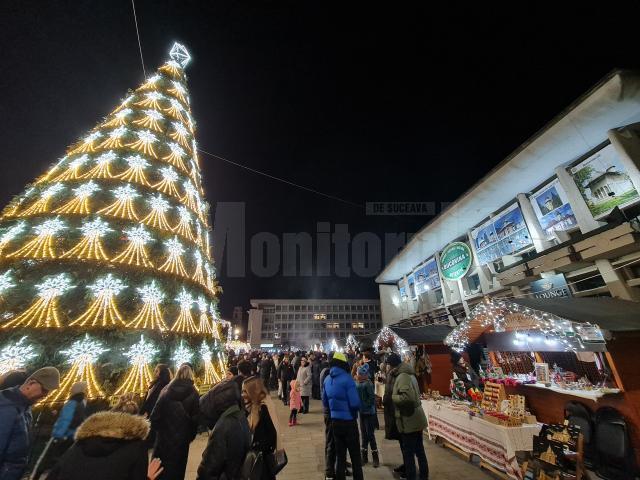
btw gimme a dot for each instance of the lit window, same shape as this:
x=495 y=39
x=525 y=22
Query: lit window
x=333 y=325
x=357 y=325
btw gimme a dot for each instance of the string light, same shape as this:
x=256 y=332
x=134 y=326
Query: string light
x=135 y=172
x=6 y=281
x=119 y=118
x=178 y=90
x=44 y=311
x=189 y=197
x=73 y=170
x=151 y=83
x=42 y=245
x=352 y=343
x=179 y=134
x=90 y=247
x=102 y=168
x=151 y=100
x=197 y=274
x=150 y=315
x=179 y=55
x=172 y=68
x=42 y=204
x=199 y=234
x=205 y=325
x=175 y=157
x=175 y=109
x=181 y=355
x=16 y=356
x=82 y=355
x=136 y=253
x=80 y=203
x=215 y=325
x=45 y=178
x=87 y=144
x=114 y=138
x=183 y=228
x=145 y=142
x=103 y=311
x=184 y=323
x=156 y=217
x=151 y=120
x=168 y=183
x=209 y=279
x=123 y=206
x=124 y=104
x=139 y=376
x=387 y=338
x=11 y=234
x=210 y=374
x=173 y=263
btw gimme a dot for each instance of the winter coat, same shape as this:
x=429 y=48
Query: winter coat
x=285 y=372
x=323 y=376
x=15 y=423
x=265 y=370
x=176 y=413
x=390 y=428
x=109 y=446
x=265 y=439
x=316 y=368
x=304 y=380
x=228 y=444
x=70 y=418
x=406 y=397
x=295 y=399
x=340 y=395
x=367 y=397
x=218 y=399
x=152 y=397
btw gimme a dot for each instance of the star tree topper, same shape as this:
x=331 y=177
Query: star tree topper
x=180 y=54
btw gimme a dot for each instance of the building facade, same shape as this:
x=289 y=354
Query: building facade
x=559 y=216
x=289 y=322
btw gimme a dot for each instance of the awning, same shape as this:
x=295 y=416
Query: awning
x=608 y=313
x=423 y=334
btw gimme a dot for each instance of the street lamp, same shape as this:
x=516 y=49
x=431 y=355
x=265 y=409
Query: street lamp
x=236 y=333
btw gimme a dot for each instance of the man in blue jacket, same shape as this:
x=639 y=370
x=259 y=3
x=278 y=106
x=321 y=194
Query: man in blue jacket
x=15 y=420
x=341 y=398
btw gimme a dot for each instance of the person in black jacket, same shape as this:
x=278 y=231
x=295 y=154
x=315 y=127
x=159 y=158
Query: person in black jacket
x=285 y=375
x=161 y=378
x=265 y=436
x=175 y=420
x=266 y=366
x=315 y=376
x=230 y=439
x=108 y=446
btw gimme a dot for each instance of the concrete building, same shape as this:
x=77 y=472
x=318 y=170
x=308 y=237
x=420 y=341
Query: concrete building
x=283 y=322
x=546 y=217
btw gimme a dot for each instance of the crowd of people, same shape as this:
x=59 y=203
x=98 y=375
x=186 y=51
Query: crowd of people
x=239 y=413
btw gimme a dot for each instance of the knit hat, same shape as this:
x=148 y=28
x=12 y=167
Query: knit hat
x=78 y=387
x=363 y=370
x=48 y=377
x=394 y=360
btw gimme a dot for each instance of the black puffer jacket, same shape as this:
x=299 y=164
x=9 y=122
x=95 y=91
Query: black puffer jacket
x=217 y=400
x=109 y=446
x=390 y=428
x=228 y=444
x=175 y=416
x=152 y=396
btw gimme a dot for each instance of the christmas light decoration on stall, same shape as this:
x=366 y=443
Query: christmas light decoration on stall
x=183 y=228
x=352 y=343
x=151 y=83
x=41 y=246
x=103 y=311
x=135 y=253
x=42 y=204
x=119 y=118
x=123 y=206
x=150 y=315
x=178 y=91
x=205 y=326
x=81 y=355
x=8 y=236
x=73 y=170
x=168 y=183
x=175 y=110
x=145 y=142
x=43 y=313
x=387 y=338
x=176 y=155
x=197 y=274
x=135 y=172
x=184 y=323
x=90 y=247
x=139 y=375
x=15 y=356
x=181 y=355
x=80 y=203
x=114 y=138
x=156 y=217
x=180 y=134
x=151 y=119
x=173 y=263
x=151 y=100
x=102 y=169
x=210 y=375
x=87 y=144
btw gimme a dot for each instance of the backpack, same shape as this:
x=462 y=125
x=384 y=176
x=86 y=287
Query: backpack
x=613 y=447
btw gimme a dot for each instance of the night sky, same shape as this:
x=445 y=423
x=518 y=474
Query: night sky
x=360 y=102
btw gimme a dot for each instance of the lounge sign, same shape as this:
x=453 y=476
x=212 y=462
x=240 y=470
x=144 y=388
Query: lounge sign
x=455 y=261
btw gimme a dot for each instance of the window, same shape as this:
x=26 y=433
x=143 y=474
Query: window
x=297 y=308
x=320 y=316
x=333 y=326
x=304 y=308
x=341 y=308
x=278 y=308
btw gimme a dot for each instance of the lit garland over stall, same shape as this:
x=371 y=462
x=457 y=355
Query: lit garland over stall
x=387 y=338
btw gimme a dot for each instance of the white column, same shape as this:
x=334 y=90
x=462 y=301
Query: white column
x=538 y=236
x=585 y=220
x=615 y=282
x=484 y=274
x=627 y=145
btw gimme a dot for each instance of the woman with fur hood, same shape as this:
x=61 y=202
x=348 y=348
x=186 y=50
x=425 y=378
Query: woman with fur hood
x=108 y=446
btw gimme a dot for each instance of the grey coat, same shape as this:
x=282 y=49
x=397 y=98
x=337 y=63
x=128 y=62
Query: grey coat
x=305 y=381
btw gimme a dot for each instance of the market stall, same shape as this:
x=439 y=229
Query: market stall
x=556 y=351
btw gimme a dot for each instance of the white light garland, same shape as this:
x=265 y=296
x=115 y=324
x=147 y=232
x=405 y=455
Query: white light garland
x=182 y=355
x=16 y=356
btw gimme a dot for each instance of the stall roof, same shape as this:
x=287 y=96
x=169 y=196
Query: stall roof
x=608 y=313
x=423 y=334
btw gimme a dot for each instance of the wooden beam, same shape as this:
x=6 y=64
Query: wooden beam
x=614 y=370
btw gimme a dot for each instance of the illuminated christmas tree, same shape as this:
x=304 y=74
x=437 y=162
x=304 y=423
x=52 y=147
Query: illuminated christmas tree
x=113 y=238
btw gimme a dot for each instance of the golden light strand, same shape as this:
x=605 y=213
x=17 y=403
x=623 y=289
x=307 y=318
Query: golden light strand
x=178 y=91
x=11 y=234
x=173 y=68
x=42 y=245
x=102 y=169
x=183 y=228
x=87 y=144
x=145 y=142
x=135 y=172
x=90 y=247
x=184 y=323
x=180 y=134
x=103 y=311
x=168 y=183
x=73 y=170
x=123 y=206
x=119 y=118
x=205 y=325
x=151 y=100
x=175 y=110
x=136 y=253
x=139 y=376
x=80 y=203
x=151 y=119
x=114 y=138
x=150 y=315
x=156 y=217
x=151 y=83
x=198 y=276
x=173 y=264
x=42 y=204
x=175 y=157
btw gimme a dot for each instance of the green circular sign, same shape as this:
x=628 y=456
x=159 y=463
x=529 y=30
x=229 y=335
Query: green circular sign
x=455 y=261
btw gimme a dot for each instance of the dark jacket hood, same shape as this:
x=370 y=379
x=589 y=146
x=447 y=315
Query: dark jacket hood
x=104 y=432
x=180 y=389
